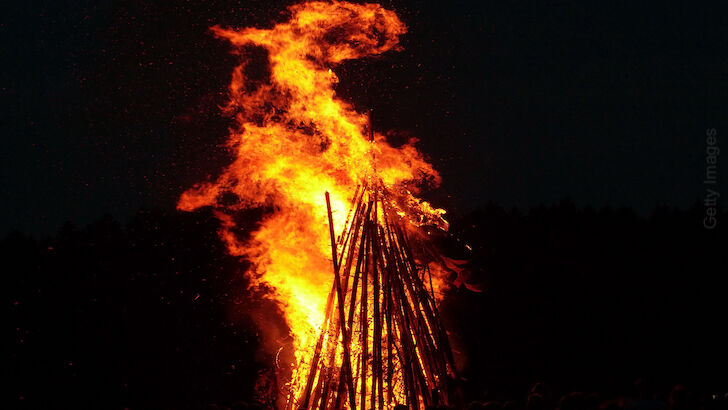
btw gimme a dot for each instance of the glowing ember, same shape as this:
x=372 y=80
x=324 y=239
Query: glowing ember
x=296 y=140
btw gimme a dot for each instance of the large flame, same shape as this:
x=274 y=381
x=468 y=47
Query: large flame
x=296 y=140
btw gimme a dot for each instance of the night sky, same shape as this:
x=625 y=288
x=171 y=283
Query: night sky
x=112 y=106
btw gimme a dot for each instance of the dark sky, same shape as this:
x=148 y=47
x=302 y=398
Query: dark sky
x=109 y=106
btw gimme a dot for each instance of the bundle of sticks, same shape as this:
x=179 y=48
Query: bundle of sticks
x=382 y=342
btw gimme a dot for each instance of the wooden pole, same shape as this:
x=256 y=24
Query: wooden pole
x=377 y=337
x=340 y=297
x=364 y=325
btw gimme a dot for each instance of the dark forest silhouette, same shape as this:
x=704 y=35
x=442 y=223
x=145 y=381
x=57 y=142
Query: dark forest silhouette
x=155 y=314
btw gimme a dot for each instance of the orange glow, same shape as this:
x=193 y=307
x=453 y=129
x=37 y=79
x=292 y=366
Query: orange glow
x=295 y=140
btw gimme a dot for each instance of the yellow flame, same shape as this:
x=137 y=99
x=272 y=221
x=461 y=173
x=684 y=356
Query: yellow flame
x=293 y=141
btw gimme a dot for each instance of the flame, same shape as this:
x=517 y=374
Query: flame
x=294 y=140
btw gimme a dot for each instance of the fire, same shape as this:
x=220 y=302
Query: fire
x=294 y=141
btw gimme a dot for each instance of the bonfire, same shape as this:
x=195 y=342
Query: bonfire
x=343 y=247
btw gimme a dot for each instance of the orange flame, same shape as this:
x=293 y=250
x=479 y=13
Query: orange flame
x=295 y=140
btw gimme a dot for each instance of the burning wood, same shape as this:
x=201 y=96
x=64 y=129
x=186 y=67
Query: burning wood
x=394 y=330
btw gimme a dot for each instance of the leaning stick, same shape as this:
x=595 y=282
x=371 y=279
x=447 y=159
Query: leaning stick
x=344 y=331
